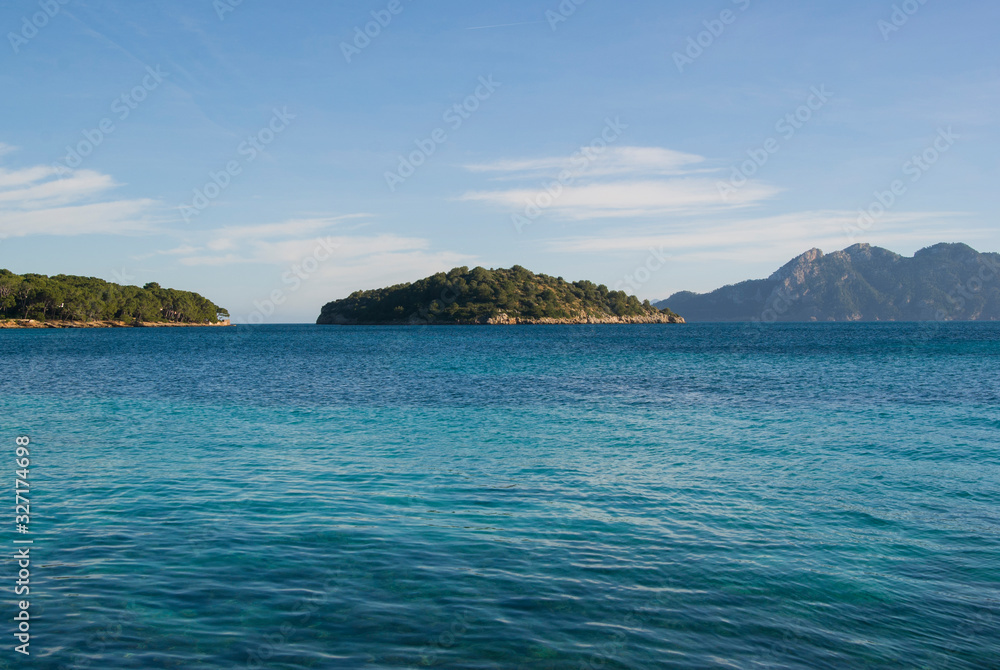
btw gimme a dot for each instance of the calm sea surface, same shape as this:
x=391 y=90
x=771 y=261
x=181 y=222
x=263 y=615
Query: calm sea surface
x=702 y=496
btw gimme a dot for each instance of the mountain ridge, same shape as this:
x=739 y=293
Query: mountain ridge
x=943 y=282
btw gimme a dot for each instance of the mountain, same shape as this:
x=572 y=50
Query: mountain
x=945 y=282
x=87 y=299
x=481 y=296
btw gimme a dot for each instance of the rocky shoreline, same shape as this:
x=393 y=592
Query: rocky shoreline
x=33 y=324
x=505 y=320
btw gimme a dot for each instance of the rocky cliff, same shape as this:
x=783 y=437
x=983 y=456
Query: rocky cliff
x=946 y=282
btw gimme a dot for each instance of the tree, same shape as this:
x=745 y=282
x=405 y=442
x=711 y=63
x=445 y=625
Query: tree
x=9 y=283
x=88 y=298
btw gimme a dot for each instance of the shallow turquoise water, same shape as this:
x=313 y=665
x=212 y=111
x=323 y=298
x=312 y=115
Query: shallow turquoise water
x=706 y=496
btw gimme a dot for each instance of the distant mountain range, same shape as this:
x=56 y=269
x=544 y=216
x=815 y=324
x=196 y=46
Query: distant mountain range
x=945 y=282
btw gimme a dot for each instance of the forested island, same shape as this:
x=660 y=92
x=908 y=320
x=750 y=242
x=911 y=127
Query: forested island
x=33 y=300
x=492 y=297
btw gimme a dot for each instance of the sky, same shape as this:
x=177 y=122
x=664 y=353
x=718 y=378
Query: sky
x=277 y=156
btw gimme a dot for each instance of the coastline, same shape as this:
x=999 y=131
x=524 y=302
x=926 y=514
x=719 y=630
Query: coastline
x=33 y=324
x=505 y=320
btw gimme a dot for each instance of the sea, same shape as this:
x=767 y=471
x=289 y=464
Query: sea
x=549 y=497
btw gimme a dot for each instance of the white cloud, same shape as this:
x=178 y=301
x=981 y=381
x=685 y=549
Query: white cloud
x=775 y=237
x=629 y=198
x=310 y=262
x=611 y=161
x=122 y=216
x=350 y=248
x=43 y=200
x=213 y=261
x=290 y=242
x=71 y=188
x=6 y=149
x=287 y=228
x=347 y=248
x=617 y=182
x=345 y=274
x=10 y=178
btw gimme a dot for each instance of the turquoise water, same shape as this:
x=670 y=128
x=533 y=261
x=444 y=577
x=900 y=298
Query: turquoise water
x=705 y=496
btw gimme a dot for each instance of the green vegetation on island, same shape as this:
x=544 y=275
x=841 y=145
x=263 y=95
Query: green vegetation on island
x=87 y=299
x=502 y=296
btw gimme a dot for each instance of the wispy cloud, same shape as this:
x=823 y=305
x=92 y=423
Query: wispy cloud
x=312 y=261
x=264 y=236
x=610 y=161
x=615 y=182
x=622 y=199
x=230 y=245
x=122 y=216
x=773 y=237
x=13 y=178
x=6 y=149
x=506 y=25
x=34 y=193
x=288 y=242
x=42 y=200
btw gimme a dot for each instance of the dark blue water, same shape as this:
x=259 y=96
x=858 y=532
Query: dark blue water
x=703 y=496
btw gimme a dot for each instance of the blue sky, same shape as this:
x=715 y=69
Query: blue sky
x=252 y=151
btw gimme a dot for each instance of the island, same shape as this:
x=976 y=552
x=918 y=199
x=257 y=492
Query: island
x=945 y=282
x=66 y=301
x=514 y=296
